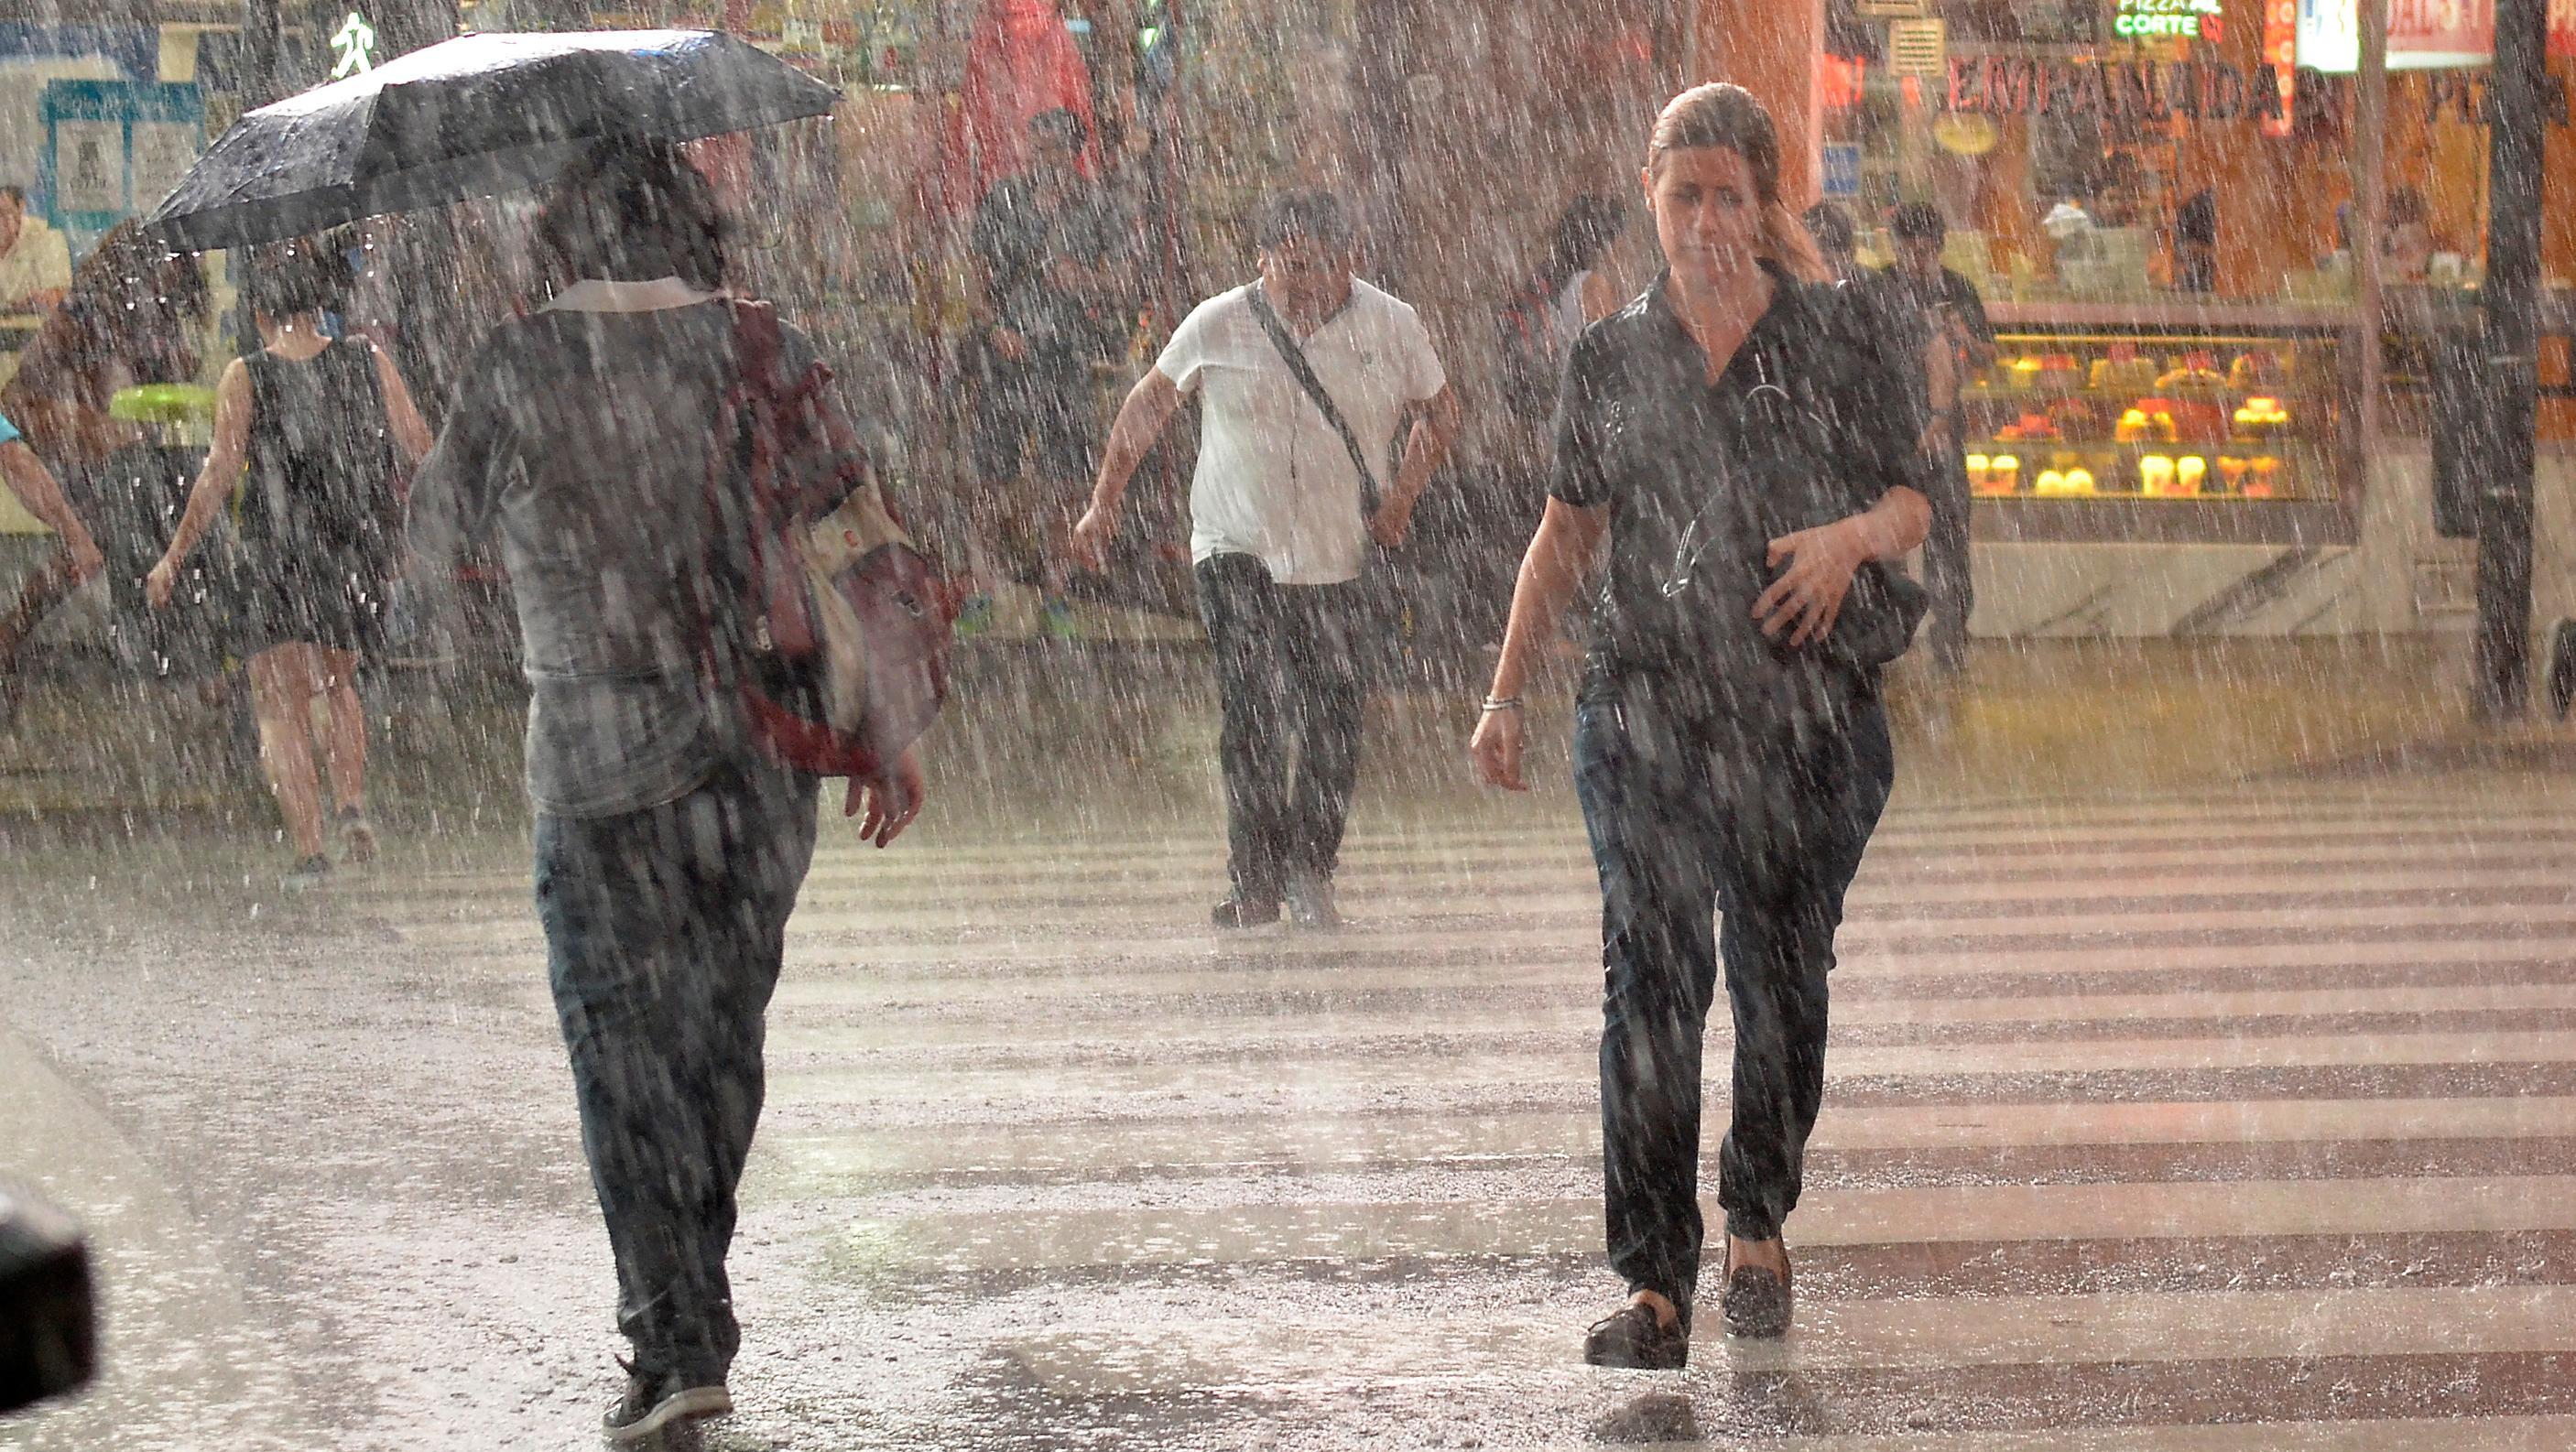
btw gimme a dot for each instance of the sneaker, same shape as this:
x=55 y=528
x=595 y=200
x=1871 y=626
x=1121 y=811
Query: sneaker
x=975 y=617
x=357 y=836
x=1243 y=912
x=308 y=874
x=654 y=1405
x=1310 y=905
x=1056 y=622
x=1634 y=1338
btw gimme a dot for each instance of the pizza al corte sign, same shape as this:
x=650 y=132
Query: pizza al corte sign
x=2170 y=20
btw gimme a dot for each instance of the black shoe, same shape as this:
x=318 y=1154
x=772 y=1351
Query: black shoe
x=1310 y=905
x=654 y=1406
x=1756 y=1303
x=1244 y=912
x=1635 y=1339
x=2562 y=670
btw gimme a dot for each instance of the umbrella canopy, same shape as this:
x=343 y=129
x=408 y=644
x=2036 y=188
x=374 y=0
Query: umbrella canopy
x=471 y=117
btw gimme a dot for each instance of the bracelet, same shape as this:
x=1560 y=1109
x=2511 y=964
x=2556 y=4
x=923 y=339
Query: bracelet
x=1499 y=703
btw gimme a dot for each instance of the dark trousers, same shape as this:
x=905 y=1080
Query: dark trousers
x=1945 y=562
x=1687 y=822
x=664 y=933
x=1288 y=683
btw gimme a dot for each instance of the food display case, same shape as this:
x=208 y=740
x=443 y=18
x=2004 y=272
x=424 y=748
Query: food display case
x=2162 y=424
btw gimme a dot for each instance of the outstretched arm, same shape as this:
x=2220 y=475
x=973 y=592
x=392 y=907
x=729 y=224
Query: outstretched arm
x=1140 y=422
x=411 y=431
x=214 y=482
x=1424 y=450
x=1561 y=556
x=38 y=490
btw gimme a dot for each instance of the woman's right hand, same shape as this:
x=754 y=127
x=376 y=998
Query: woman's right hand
x=1496 y=748
x=161 y=583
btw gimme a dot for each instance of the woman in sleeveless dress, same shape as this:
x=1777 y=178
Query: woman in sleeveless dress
x=317 y=423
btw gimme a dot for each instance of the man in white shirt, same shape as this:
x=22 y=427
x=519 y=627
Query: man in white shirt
x=1281 y=522
x=35 y=261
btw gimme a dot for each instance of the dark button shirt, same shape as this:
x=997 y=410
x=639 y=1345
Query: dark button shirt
x=1903 y=310
x=1805 y=425
x=1016 y=236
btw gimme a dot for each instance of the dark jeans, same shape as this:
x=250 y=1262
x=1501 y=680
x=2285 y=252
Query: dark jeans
x=1288 y=682
x=1688 y=820
x=1945 y=562
x=664 y=933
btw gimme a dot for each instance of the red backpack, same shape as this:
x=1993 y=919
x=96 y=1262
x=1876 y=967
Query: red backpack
x=845 y=661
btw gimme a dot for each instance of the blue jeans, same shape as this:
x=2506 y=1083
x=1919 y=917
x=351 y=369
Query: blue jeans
x=665 y=929
x=1692 y=816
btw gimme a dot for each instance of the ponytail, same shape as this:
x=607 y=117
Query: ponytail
x=1791 y=244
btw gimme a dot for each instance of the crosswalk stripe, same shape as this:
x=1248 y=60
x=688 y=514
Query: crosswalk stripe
x=2310 y=1025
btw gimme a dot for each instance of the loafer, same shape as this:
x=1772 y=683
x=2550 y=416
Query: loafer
x=1244 y=912
x=1633 y=1338
x=1756 y=1302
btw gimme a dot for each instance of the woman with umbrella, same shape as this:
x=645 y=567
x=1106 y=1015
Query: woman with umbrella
x=669 y=850
x=318 y=424
x=1744 y=455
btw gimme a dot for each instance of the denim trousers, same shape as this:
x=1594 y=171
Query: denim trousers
x=1288 y=687
x=665 y=929
x=1716 y=843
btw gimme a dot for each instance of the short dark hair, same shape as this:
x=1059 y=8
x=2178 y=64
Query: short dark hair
x=1060 y=124
x=14 y=192
x=308 y=275
x=1918 y=221
x=1315 y=215
x=633 y=211
x=1831 y=226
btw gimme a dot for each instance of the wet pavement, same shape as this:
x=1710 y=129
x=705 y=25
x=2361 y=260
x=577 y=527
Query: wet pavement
x=2180 y=1117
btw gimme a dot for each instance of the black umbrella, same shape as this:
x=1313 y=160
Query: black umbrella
x=471 y=117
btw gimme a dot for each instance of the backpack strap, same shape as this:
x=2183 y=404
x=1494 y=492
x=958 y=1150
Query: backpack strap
x=1304 y=372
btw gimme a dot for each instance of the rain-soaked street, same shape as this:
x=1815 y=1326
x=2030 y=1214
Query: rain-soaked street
x=2173 y=1107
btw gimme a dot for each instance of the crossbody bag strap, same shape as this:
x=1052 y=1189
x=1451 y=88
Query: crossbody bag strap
x=1304 y=372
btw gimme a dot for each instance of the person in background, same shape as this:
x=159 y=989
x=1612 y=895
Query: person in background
x=35 y=260
x=1280 y=531
x=318 y=424
x=1044 y=244
x=669 y=849
x=131 y=318
x=2406 y=244
x=1836 y=241
x=36 y=489
x=2195 y=243
x=1934 y=316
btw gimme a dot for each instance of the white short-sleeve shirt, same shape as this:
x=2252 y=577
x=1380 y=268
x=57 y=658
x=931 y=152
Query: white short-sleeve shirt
x=1273 y=478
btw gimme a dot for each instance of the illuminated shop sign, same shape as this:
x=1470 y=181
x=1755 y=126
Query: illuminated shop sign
x=2137 y=90
x=2168 y=20
x=2422 y=34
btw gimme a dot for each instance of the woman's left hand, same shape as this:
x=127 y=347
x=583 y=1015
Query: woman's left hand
x=1809 y=594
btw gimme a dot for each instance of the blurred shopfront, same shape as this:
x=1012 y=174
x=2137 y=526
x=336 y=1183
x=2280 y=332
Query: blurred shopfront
x=2156 y=199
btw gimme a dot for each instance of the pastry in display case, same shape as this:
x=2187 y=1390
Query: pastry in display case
x=2152 y=416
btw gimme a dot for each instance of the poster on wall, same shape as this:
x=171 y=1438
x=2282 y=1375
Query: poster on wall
x=89 y=166
x=112 y=149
